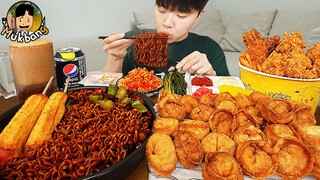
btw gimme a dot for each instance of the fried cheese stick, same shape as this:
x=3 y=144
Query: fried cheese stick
x=15 y=134
x=49 y=118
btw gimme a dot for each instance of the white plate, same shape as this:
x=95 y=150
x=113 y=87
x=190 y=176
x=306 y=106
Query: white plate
x=98 y=78
x=219 y=81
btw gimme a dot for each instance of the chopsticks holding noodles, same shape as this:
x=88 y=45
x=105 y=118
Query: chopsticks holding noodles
x=125 y=37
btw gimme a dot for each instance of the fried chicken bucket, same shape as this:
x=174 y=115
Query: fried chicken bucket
x=303 y=90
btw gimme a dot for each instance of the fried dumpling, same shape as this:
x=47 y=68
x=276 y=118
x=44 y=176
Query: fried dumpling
x=256 y=96
x=275 y=110
x=257 y=159
x=207 y=99
x=247 y=133
x=316 y=165
x=310 y=135
x=274 y=132
x=221 y=165
x=202 y=112
x=243 y=118
x=230 y=105
x=189 y=150
x=222 y=121
x=161 y=155
x=189 y=102
x=295 y=160
x=243 y=101
x=303 y=113
x=218 y=142
x=169 y=126
x=198 y=128
x=169 y=106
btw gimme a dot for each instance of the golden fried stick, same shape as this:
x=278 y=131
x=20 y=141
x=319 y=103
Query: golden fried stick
x=15 y=134
x=48 y=119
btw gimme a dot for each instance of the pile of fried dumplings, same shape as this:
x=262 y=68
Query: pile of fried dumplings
x=234 y=136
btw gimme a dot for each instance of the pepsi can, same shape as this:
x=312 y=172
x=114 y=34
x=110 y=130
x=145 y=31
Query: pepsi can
x=69 y=62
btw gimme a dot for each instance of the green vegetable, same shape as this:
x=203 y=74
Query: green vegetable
x=121 y=93
x=174 y=83
x=105 y=104
x=126 y=100
x=139 y=106
x=95 y=98
x=112 y=89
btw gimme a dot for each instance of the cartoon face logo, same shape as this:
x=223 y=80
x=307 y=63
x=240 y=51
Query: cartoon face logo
x=24 y=17
x=24 y=22
x=70 y=70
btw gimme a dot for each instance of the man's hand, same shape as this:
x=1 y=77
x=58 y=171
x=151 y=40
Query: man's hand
x=115 y=46
x=196 y=63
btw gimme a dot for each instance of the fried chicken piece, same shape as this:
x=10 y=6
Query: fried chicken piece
x=198 y=128
x=169 y=126
x=218 y=142
x=258 y=49
x=220 y=165
x=295 y=160
x=169 y=106
x=291 y=42
x=313 y=53
x=161 y=155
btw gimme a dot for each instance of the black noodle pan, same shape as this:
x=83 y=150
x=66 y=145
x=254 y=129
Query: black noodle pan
x=118 y=171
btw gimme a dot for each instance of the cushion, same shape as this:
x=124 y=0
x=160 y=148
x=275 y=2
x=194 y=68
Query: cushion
x=243 y=23
x=288 y=21
x=313 y=37
x=210 y=24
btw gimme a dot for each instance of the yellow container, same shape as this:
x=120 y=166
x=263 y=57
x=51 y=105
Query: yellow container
x=303 y=90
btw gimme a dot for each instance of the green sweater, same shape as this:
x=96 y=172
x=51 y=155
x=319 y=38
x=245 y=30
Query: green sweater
x=178 y=50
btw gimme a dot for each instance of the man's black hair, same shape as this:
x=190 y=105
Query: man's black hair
x=185 y=6
x=22 y=8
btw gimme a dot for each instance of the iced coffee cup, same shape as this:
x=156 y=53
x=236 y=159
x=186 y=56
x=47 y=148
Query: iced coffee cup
x=32 y=67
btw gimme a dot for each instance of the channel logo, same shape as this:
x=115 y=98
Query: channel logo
x=70 y=70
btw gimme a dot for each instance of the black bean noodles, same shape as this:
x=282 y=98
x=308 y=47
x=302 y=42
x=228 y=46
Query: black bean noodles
x=87 y=140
